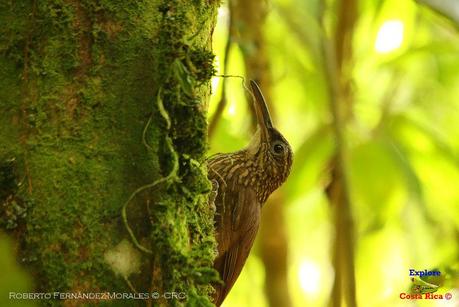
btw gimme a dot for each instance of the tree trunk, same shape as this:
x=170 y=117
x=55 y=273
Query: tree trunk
x=103 y=181
x=338 y=70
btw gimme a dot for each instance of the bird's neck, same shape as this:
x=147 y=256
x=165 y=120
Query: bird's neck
x=247 y=169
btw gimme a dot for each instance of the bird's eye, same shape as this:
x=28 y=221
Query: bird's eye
x=278 y=148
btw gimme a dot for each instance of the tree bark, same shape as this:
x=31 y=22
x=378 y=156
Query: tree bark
x=338 y=71
x=103 y=181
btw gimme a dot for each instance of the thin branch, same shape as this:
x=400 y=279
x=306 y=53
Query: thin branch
x=388 y=100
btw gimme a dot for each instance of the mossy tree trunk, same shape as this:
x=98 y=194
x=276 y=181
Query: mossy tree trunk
x=102 y=111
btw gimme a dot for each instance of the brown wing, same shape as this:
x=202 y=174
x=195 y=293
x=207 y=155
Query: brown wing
x=237 y=221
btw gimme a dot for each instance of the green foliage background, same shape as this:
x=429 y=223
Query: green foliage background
x=402 y=146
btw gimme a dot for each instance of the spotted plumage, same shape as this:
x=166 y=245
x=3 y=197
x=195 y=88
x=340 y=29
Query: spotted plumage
x=243 y=181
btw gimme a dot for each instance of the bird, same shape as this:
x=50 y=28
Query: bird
x=243 y=181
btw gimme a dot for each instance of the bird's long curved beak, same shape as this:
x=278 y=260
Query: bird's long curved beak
x=262 y=112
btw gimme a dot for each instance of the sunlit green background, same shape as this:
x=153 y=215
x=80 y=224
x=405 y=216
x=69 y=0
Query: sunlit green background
x=402 y=146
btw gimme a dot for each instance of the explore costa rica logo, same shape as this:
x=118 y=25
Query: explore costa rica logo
x=427 y=296
x=424 y=287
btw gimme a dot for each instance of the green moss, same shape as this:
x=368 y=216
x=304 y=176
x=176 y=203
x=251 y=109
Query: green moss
x=8 y=177
x=13 y=208
x=78 y=83
x=181 y=219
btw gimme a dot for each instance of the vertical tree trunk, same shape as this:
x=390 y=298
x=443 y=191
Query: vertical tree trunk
x=338 y=70
x=103 y=181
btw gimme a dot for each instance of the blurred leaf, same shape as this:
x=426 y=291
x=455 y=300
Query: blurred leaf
x=375 y=182
x=13 y=279
x=305 y=27
x=310 y=161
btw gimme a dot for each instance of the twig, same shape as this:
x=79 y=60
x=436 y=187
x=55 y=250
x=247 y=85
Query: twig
x=130 y=285
x=171 y=176
x=144 y=133
x=388 y=99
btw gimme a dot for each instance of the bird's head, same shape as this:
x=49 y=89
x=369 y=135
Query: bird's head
x=269 y=147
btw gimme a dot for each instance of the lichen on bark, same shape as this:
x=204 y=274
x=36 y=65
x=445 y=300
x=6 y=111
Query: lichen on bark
x=79 y=81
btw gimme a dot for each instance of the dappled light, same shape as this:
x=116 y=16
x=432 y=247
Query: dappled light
x=397 y=83
x=390 y=36
x=267 y=153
